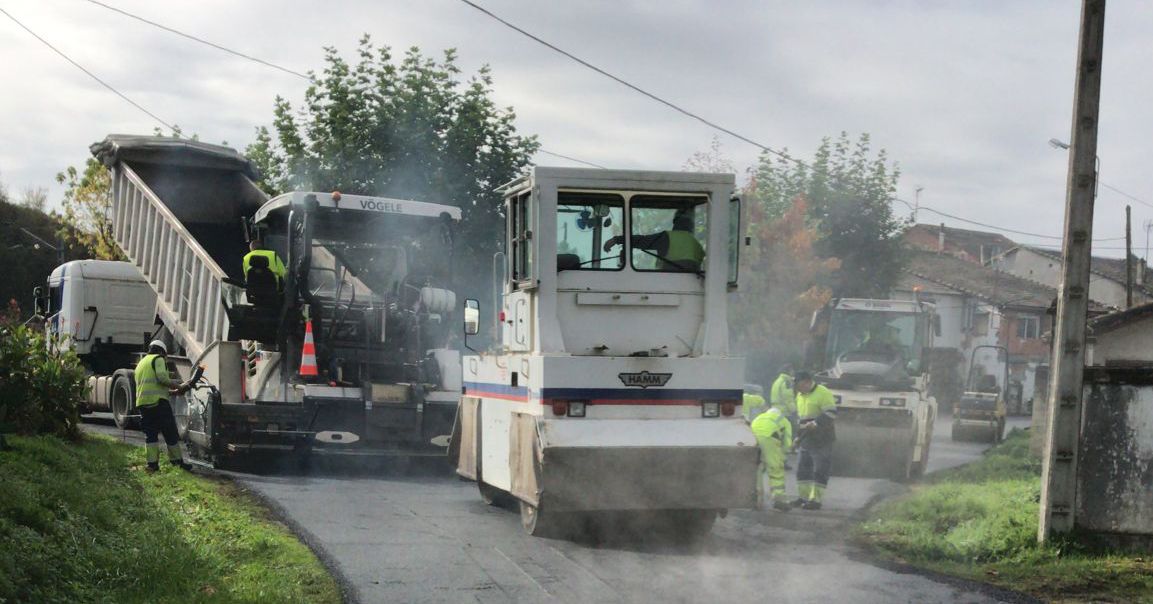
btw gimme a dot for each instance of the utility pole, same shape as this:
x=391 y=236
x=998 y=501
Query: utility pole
x=1128 y=256
x=917 y=201
x=1059 y=469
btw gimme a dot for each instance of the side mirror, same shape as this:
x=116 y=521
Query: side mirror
x=471 y=317
x=39 y=302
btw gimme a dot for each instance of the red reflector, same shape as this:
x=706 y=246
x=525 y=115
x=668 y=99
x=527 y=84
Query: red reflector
x=559 y=408
x=727 y=409
x=501 y=316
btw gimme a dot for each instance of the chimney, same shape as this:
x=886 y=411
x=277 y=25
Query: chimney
x=941 y=239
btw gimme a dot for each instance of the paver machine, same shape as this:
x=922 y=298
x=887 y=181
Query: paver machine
x=980 y=414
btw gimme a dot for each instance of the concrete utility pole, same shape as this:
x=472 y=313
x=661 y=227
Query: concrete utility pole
x=1059 y=473
x=1128 y=256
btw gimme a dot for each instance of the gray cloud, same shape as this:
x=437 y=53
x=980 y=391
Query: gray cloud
x=963 y=95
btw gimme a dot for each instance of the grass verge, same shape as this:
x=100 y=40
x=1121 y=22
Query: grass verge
x=979 y=522
x=83 y=522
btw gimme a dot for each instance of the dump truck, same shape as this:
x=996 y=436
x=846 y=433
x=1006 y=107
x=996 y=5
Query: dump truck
x=610 y=397
x=980 y=413
x=346 y=353
x=872 y=355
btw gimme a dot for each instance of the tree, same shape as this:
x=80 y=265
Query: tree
x=848 y=192
x=410 y=129
x=87 y=221
x=35 y=198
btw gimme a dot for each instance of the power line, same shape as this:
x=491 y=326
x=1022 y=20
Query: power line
x=573 y=159
x=88 y=73
x=203 y=41
x=695 y=116
x=1116 y=190
x=990 y=226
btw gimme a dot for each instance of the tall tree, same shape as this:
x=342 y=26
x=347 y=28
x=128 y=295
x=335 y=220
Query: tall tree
x=848 y=190
x=87 y=221
x=411 y=128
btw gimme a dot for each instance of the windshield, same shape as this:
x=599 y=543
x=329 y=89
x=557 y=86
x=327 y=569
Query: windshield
x=585 y=223
x=879 y=335
x=668 y=233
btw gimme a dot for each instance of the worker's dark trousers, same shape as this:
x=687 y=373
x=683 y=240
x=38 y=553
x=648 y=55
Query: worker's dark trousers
x=156 y=420
x=813 y=467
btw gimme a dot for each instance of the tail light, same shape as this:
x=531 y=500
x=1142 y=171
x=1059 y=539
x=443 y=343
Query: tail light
x=728 y=408
x=559 y=408
x=569 y=408
x=710 y=409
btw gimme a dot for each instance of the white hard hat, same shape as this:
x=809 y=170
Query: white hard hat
x=158 y=344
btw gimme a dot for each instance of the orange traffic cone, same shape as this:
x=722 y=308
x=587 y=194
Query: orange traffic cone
x=308 y=353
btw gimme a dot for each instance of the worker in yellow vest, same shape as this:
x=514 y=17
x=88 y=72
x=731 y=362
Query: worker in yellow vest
x=753 y=402
x=275 y=266
x=817 y=411
x=677 y=249
x=154 y=386
x=774 y=435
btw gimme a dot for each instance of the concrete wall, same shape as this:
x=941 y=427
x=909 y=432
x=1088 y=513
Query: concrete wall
x=1115 y=458
x=1133 y=342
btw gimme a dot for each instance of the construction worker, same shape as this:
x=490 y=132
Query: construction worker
x=153 y=387
x=677 y=249
x=753 y=403
x=817 y=410
x=774 y=435
x=256 y=248
x=781 y=395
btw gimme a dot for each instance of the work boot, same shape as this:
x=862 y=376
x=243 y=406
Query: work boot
x=798 y=502
x=180 y=463
x=781 y=505
x=811 y=505
x=152 y=467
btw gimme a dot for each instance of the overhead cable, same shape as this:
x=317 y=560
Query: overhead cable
x=89 y=73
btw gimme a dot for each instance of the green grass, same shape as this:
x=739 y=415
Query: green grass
x=979 y=521
x=82 y=522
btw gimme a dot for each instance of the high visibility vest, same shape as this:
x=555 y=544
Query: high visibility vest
x=152 y=380
x=274 y=263
x=781 y=395
x=752 y=405
x=683 y=246
x=773 y=424
x=814 y=403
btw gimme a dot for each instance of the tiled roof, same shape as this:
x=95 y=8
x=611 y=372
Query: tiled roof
x=988 y=284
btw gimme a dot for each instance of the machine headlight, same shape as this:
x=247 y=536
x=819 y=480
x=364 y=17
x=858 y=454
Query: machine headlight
x=710 y=409
x=576 y=409
x=892 y=402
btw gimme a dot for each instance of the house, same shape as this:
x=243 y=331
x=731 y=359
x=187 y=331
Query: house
x=982 y=306
x=972 y=246
x=1121 y=338
x=1106 y=278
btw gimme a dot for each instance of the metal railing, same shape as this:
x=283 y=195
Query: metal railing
x=186 y=279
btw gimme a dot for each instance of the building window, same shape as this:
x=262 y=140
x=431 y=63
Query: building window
x=1028 y=328
x=980 y=323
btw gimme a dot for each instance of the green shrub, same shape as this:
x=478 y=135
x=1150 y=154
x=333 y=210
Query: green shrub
x=41 y=386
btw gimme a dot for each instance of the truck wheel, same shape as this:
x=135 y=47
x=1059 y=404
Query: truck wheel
x=122 y=403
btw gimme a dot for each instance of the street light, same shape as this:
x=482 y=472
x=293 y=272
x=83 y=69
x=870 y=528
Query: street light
x=1057 y=144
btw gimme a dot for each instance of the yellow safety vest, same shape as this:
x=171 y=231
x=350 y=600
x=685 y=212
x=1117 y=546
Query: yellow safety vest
x=152 y=380
x=751 y=403
x=683 y=246
x=781 y=395
x=773 y=424
x=274 y=263
x=813 y=404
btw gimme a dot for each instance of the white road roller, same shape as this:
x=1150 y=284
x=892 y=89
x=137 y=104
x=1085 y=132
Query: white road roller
x=610 y=392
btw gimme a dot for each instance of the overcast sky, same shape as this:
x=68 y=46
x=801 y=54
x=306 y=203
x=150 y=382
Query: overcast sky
x=965 y=95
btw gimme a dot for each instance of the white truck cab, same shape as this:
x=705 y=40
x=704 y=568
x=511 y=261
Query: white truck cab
x=612 y=388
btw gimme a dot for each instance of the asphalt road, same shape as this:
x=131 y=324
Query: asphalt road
x=424 y=536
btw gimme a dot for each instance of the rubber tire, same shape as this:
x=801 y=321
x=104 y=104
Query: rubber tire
x=122 y=403
x=540 y=524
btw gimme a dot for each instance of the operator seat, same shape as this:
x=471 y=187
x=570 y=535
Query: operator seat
x=261 y=284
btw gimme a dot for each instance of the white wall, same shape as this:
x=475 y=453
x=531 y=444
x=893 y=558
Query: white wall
x=1133 y=342
x=1036 y=267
